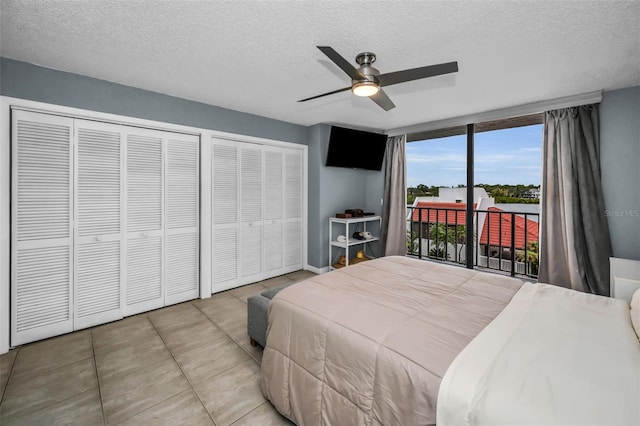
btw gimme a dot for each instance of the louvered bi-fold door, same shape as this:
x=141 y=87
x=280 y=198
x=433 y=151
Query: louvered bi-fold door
x=273 y=211
x=293 y=170
x=182 y=207
x=99 y=251
x=144 y=284
x=41 y=240
x=224 y=212
x=251 y=222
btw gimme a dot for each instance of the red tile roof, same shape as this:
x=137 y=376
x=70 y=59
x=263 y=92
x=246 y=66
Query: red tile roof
x=432 y=215
x=491 y=229
x=455 y=215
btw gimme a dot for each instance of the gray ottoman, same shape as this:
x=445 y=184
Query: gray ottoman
x=257 y=310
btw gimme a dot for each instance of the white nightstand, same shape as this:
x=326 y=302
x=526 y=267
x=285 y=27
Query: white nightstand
x=625 y=277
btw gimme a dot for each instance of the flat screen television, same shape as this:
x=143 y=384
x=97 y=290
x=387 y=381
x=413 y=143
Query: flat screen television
x=356 y=149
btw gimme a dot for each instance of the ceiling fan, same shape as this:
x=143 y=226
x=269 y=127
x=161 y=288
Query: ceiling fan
x=367 y=81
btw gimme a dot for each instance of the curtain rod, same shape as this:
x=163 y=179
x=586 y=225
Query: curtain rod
x=497 y=114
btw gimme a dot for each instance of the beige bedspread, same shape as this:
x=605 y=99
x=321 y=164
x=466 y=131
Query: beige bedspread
x=369 y=344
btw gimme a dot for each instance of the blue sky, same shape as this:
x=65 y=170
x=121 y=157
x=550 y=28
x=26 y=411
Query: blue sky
x=510 y=157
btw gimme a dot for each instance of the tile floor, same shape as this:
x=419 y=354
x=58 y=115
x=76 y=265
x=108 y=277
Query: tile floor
x=186 y=364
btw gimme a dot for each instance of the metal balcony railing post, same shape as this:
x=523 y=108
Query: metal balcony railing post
x=420 y=232
x=477 y=243
x=500 y=241
x=526 y=234
x=513 y=244
x=437 y=232
x=446 y=235
x=455 y=237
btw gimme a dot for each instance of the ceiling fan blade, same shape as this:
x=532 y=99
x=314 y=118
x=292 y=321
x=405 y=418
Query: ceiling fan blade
x=341 y=62
x=326 y=94
x=383 y=100
x=417 y=73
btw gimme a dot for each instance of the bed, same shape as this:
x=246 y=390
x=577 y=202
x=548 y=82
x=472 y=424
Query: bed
x=398 y=341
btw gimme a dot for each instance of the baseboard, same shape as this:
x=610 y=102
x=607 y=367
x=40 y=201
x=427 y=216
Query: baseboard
x=316 y=270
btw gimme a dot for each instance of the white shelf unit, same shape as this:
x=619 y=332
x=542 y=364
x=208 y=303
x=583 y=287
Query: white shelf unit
x=349 y=226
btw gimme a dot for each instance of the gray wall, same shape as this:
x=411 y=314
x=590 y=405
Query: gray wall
x=374 y=190
x=32 y=82
x=331 y=189
x=620 y=161
x=338 y=189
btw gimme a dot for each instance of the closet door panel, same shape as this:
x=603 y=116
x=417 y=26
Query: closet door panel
x=293 y=211
x=182 y=182
x=98 y=283
x=273 y=183
x=224 y=214
x=42 y=217
x=251 y=205
x=250 y=183
x=293 y=185
x=144 y=183
x=98 y=194
x=293 y=245
x=144 y=221
x=182 y=209
x=144 y=290
x=273 y=211
x=250 y=252
x=273 y=248
x=181 y=260
x=225 y=258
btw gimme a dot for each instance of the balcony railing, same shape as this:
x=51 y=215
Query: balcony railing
x=503 y=241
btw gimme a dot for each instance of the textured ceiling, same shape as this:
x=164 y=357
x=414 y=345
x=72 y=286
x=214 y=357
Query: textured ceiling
x=260 y=57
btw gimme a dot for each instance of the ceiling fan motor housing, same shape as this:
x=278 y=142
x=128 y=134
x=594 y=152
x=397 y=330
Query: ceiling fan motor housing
x=369 y=73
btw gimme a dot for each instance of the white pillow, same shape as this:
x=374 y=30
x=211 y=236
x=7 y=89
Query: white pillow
x=635 y=312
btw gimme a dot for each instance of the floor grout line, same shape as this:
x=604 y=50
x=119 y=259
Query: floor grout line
x=191 y=387
x=52 y=403
x=6 y=385
x=174 y=360
x=95 y=368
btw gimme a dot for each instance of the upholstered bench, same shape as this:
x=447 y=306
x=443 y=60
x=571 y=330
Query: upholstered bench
x=257 y=311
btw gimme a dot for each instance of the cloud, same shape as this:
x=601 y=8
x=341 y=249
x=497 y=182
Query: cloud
x=436 y=158
x=531 y=149
x=494 y=158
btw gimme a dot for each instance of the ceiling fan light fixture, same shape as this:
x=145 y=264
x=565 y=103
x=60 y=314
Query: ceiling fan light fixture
x=365 y=88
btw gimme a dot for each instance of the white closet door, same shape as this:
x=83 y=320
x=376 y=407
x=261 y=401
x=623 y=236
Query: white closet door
x=273 y=211
x=293 y=210
x=41 y=240
x=98 y=234
x=144 y=221
x=224 y=214
x=251 y=225
x=182 y=207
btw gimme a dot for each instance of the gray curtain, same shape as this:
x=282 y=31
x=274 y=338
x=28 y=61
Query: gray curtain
x=394 y=207
x=574 y=239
